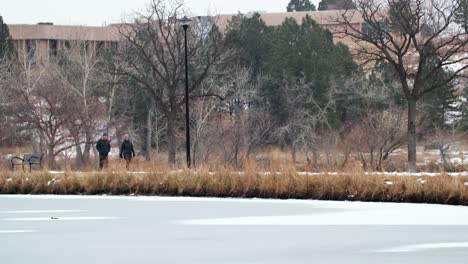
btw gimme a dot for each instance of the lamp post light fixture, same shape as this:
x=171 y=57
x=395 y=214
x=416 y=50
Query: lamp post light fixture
x=185 y=25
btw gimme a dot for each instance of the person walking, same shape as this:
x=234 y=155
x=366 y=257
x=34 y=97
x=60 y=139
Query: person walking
x=103 y=146
x=126 y=151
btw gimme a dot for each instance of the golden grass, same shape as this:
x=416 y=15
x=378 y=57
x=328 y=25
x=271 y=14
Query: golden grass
x=17 y=149
x=282 y=182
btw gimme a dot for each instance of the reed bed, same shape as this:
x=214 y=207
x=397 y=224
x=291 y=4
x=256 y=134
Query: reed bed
x=278 y=183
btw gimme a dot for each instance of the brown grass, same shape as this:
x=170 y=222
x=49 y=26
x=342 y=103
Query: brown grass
x=225 y=182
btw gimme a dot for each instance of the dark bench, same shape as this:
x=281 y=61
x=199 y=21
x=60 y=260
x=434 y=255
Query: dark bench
x=27 y=160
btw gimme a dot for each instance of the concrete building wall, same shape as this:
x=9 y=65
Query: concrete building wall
x=41 y=38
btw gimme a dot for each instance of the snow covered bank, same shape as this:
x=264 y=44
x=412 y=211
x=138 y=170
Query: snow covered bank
x=354 y=213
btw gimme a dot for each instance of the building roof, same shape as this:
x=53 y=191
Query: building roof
x=23 y=32
x=328 y=17
x=111 y=33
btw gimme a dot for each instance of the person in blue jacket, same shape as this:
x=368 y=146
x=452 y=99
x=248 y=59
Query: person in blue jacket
x=126 y=151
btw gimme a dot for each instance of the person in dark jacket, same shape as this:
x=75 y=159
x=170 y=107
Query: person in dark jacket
x=103 y=146
x=126 y=151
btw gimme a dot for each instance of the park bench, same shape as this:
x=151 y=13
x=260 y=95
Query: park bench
x=27 y=160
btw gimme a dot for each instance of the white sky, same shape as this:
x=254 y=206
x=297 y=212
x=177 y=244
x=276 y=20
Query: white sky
x=99 y=12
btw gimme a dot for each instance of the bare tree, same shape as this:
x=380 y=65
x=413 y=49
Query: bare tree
x=76 y=67
x=446 y=140
x=378 y=135
x=154 y=56
x=5 y=72
x=305 y=116
x=204 y=135
x=418 y=38
x=40 y=101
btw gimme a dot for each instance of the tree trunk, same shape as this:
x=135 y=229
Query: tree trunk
x=171 y=139
x=194 y=151
x=41 y=142
x=88 y=146
x=149 y=134
x=293 y=153
x=156 y=131
x=412 y=135
x=51 y=158
x=443 y=156
x=316 y=156
x=96 y=157
x=37 y=144
x=79 y=153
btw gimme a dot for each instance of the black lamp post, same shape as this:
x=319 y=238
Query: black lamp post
x=185 y=25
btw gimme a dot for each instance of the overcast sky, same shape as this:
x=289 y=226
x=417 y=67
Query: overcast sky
x=99 y=12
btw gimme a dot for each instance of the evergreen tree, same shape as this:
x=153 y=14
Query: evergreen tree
x=461 y=15
x=323 y=5
x=250 y=36
x=440 y=101
x=305 y=51
x=300 y=6
x=340 y=4
x=438 y=104
x=6 y=43
x=464 y=109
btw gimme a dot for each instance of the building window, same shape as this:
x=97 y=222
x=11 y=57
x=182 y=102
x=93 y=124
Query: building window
x=86 y=45
x=114 y=46
x=31 y=48
x=52 y=47
x=376 y=31
x=100 y=47
x=67 y=44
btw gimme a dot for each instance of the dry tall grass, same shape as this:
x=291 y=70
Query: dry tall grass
x=280 y=183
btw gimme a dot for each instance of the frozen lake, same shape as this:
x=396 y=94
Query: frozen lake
x=84 y=229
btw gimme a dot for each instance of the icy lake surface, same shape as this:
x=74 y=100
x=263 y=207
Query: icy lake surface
x=105 y=229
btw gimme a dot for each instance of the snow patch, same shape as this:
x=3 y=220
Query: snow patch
x=41 y=211
x=424 y=247
x=16 y=231
x=352 y=214
x=81 y=218
x=52 y=182
x=56 y=172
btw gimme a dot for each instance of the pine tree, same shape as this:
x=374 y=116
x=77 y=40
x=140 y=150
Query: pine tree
x=464 y=109
x=323 y=5
x=441 y=101
x=305 y=51
x=340 y=4
x=251 y=37
x=300 y=6
x=461 y=15
x=6 y=43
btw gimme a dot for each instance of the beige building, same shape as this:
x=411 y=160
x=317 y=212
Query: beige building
x=44 y=39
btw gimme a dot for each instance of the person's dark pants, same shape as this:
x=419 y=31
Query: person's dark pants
x=128 y=159
x=103 y=160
